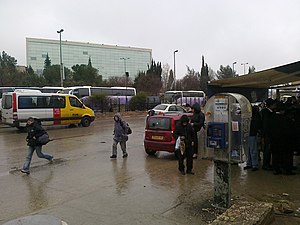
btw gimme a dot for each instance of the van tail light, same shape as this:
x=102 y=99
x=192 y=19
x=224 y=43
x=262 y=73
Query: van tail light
x=14 y=102
x=15 y=116
x=160 y=113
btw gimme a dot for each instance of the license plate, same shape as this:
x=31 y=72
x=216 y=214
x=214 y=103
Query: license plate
x=158 y=137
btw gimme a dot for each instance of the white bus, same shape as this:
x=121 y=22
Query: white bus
x=120 y=93
x=185 y=97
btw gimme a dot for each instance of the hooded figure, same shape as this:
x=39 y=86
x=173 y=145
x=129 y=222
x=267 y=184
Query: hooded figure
x=120 y=136
x=34 y=131
x=185 y=132
x=197 y=122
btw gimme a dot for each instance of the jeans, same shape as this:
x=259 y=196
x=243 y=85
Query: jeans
x=122 y=144
x=39 y=153
x=252 y=160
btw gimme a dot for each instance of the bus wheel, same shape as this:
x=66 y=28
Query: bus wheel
x=150 y=152
x=85 y=121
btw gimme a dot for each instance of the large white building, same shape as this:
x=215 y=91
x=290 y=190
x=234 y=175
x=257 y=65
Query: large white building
x=110 y=60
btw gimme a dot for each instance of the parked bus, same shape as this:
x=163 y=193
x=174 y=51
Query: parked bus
x=120 y=93
x=50 y=109
x=49 y=89
x=185 y=97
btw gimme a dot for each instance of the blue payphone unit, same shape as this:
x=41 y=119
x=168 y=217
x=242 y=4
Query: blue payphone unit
x=217 y=135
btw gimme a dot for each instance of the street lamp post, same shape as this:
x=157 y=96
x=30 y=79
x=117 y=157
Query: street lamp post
x=233 y=67
x=174 y=70
x=126 y=78
x=244 y=64
x=61 y=64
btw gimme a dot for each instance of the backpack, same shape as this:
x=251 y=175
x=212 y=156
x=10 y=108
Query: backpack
x=44 y=139
x=129 y=131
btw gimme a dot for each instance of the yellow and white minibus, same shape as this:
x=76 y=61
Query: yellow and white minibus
x=49 y=108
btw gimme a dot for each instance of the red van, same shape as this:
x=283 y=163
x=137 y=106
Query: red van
x=159 y=131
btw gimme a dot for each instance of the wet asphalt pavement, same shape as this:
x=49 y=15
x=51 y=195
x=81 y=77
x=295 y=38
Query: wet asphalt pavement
x=84 y=186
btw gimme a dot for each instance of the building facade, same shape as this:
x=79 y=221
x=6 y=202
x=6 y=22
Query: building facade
x=110 y=60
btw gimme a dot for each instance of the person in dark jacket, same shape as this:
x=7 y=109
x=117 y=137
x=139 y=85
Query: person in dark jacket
x=34 y=130
x=266 y=115
x=255 y=127
x=185 y=132
x=197 y=122
x=120 y=136
x=280 y=134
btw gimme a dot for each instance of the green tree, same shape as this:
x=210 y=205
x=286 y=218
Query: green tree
x=90 y=62
x=52 y=75
x=29 y=70
x=149 y=81
x=138 y=102
x=85 y=74
x=8 y=72
x=225 y=72
x=204 y=77
x=47 y=62
x=32 y=80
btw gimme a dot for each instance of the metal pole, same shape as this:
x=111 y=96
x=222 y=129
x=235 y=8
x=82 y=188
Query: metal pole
x=174 y=71
x=125 y=82
x=233 y=67
x=244 y=64
x=61 y=64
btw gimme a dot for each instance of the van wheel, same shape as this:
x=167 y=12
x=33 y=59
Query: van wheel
x=85 y=121
x=150 y=152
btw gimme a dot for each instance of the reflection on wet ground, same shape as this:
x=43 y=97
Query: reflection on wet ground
x=84 y=186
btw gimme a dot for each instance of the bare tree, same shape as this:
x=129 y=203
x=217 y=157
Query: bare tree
x=165 y=77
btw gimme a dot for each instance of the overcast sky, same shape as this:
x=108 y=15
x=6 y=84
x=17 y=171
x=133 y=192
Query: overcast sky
x=263 y=33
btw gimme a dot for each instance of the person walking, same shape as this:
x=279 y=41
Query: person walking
x=120 y=136
x=185 y=132
x=255 y=127
x=197 y=122
x=35 y=131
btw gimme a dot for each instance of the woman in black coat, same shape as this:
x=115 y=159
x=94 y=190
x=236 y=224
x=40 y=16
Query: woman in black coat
x=185 y=132
x=197 y=122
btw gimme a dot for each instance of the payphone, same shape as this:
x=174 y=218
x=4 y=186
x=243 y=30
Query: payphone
x=228 y=117
x=217 y=135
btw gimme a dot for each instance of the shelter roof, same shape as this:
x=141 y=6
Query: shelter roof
x=285 y=75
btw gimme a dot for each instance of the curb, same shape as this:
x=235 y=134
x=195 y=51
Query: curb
x=247 y=213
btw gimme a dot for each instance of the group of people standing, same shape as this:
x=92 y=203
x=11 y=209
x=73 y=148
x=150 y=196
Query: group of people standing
x=277 y=125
